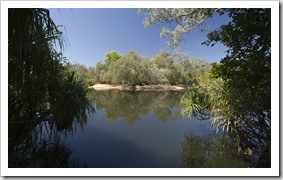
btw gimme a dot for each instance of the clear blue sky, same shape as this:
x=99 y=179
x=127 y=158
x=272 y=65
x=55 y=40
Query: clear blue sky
x=93 y=32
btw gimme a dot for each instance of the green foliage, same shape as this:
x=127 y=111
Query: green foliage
x=249 y=58
x=80 y=70
x=164 y=68
x=163 y=60
x=193 y=102
x=37 y=72
x=246 y=71
x=40 y=84
x=111 y=57
x=239 y=87
x=70 y=103
x=185 y=18
x=32 y=61
x=84 y=72
x=99 y=72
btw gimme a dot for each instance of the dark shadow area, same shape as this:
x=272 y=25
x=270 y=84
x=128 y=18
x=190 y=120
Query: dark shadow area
x=217 y=152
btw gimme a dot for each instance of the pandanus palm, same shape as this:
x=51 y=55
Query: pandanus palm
x=37 y=72
x=31 y=61
x=41 y=87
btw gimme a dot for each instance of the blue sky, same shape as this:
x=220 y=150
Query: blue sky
x=93 y=32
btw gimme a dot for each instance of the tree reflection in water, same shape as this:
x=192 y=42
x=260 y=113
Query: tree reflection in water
x=38 y=144
x=212 y=152
x=41 y=147
x=132 y=105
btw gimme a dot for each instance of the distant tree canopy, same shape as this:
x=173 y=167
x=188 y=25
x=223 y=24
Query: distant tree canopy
x=132 y=69
x=111 y=57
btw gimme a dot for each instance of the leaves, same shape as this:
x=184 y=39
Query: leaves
x=238 y=88
x=40 y=86
x=191 y=103
x=185 y=19
x=163 y=68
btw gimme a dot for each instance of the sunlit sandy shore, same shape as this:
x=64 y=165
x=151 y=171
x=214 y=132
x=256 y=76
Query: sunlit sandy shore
x=101 y=87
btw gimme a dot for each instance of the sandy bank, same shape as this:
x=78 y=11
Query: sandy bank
x=101 y=87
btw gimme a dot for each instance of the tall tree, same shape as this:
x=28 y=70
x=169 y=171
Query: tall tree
x=32 y=60
x=239 y=94
x=40 y=86
x=246 y=71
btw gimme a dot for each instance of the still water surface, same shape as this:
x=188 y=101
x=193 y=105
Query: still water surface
x=144 y=129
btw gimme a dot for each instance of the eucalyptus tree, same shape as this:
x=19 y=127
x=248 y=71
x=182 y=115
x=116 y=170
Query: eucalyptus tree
x=185 y=18
x=80 y=69
x=183 y=67
x=99 y=71
x=111 y=57
x=91 y=80
x=128 y=69
x=164 y=63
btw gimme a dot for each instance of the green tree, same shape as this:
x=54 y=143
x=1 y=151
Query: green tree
x=131 y=69
x=32 y=61
x=80 y=70
x=236 y=93
x=111 y=57
x=246 y=71
x=37 y=72
x=183 y=67
x=164 y=63
x=99 y=72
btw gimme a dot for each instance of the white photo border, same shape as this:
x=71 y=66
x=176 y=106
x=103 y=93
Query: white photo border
x=273 y=171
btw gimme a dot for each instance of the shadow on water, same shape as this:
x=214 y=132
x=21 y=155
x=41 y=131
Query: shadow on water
x=212 y=152
x=32 y=151
x=41 y=147
x=37 y=143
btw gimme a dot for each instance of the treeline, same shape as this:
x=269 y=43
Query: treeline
x=132 y=69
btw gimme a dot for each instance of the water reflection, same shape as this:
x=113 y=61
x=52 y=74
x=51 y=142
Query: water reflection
x=40 y=148
x=211 y=152
x=134 y=130
x=131 y=106
x=129 y=129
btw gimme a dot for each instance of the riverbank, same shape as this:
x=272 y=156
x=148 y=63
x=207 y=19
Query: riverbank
x=102 y=87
